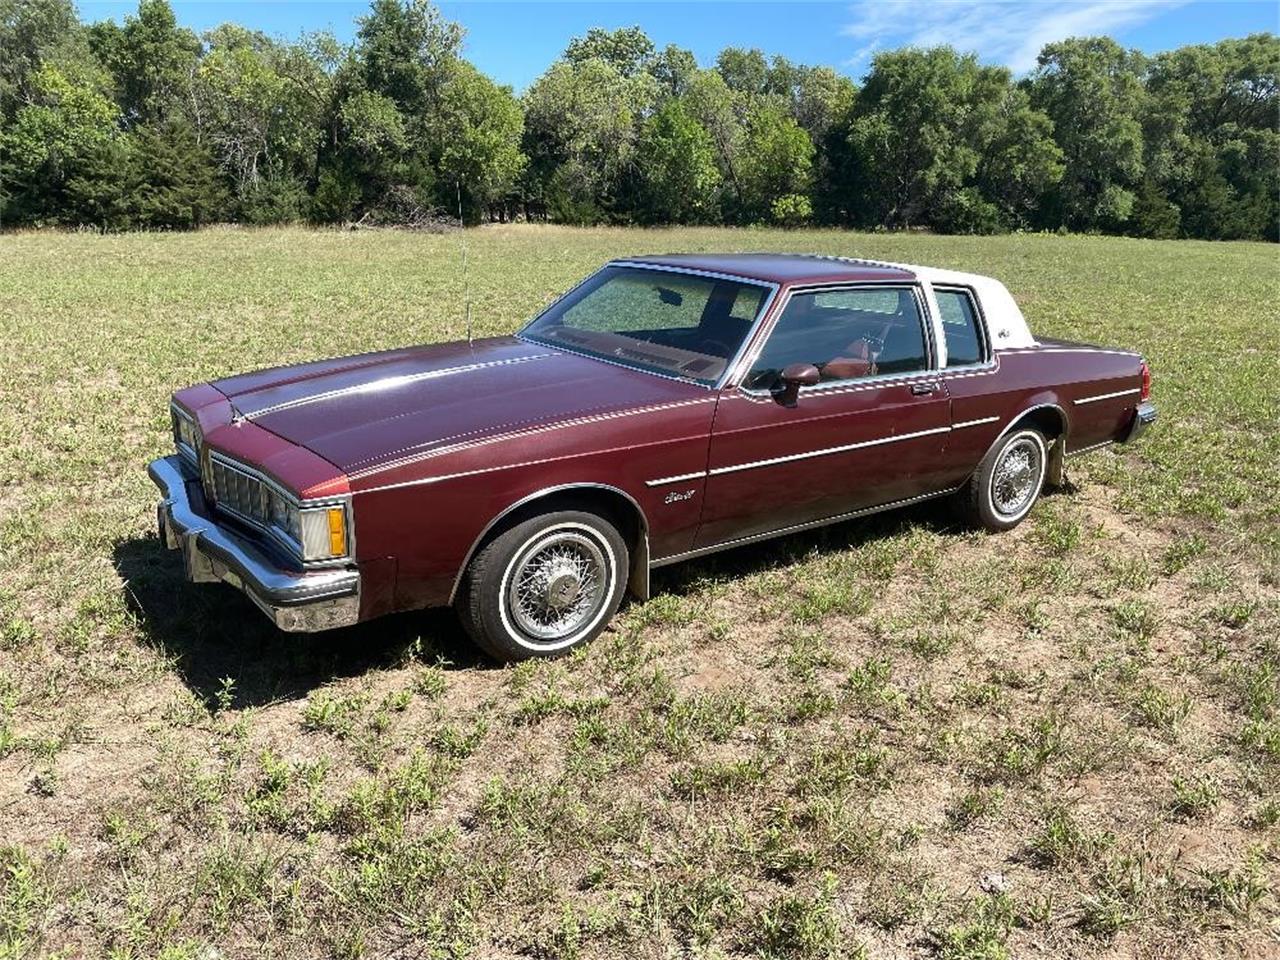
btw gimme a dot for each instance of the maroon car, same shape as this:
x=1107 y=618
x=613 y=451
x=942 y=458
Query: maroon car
x=664 y=408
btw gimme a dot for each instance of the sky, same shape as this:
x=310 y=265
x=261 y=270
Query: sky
x=514 y=41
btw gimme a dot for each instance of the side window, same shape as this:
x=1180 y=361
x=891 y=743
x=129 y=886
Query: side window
x=846 y=334
x=961 y=327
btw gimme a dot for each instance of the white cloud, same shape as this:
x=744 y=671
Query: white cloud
x=1010 y=32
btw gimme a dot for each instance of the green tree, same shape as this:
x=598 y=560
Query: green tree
x=937 y=139
x=152 y=60
x=674 y=68
x=481 y=126
x=627 y=49
x=1091 y=88
x=1212 y=141
x=908 y=134
x=172 y=179
x=58 y=136
x=778 y=165
x=262 y=126
x=31 y=33
x=718 y=109
x=677 y=160
x=406 y=51
x=581 y=125
x=385 y=123
x=743 y=71
x=1019 y=162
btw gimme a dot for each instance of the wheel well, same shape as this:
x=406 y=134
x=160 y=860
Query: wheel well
x=611 y=504
x=1048 y=420
x=1052 y=422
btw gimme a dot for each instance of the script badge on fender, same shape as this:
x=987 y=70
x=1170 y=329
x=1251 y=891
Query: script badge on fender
x=675 y=496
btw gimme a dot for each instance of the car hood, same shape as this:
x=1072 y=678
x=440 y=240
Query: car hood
x=358 y=412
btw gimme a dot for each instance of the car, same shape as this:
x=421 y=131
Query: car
x=665 y=408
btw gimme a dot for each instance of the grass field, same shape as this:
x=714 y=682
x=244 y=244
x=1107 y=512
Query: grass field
x=893 y=738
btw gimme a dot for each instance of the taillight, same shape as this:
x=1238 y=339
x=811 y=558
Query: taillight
x=1146 y=382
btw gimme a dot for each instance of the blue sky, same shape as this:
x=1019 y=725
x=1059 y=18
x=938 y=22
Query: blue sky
x=515 y=41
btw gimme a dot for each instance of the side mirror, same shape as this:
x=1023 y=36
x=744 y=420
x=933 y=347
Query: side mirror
x=794 y=377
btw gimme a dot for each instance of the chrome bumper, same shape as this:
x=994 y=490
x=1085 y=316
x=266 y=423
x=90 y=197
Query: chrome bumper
x=1143 y=417
x=294 y=599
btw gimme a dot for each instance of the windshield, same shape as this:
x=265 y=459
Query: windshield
x=678 y=324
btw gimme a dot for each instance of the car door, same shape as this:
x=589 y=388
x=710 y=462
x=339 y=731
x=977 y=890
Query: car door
x=871 y=432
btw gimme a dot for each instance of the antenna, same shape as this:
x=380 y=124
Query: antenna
x=466 y=283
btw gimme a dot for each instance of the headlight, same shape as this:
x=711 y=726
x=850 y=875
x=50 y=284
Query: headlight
x=311 y=531
x=186 y=435
x=324 y=533
x=319 y=532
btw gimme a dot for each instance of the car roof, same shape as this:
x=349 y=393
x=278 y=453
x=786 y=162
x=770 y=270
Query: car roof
x=788 y=269
x=1003 y=317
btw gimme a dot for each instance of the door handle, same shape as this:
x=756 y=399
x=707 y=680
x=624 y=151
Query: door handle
x=921 y=389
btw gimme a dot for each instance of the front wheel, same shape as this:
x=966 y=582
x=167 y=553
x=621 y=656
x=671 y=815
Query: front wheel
x=1006 y=484
x=545 y=586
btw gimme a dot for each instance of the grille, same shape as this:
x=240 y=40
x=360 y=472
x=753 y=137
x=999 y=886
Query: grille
x=239 y=492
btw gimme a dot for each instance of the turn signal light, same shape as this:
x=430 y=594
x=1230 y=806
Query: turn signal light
x=1146 y=382
x=337 y=531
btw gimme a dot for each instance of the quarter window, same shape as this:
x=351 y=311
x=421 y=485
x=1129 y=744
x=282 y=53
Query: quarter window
x=960 y=327
x=846 y=334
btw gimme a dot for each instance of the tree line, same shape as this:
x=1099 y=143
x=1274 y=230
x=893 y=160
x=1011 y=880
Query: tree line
x=144 y=124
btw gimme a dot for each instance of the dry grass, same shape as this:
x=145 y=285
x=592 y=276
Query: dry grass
x=892 y=738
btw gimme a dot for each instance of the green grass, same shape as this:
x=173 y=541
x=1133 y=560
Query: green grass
x=809 y=748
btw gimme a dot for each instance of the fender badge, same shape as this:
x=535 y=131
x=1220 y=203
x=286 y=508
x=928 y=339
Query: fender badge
x=675 y=496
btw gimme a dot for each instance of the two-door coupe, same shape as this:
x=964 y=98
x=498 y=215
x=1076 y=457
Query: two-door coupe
x=664 y=408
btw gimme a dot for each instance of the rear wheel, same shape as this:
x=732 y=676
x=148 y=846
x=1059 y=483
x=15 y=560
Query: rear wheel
x=545 y=586
x=1008 y=481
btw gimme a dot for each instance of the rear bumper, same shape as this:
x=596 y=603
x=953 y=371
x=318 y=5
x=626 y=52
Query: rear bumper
x=1143 y=417
x=294 y=599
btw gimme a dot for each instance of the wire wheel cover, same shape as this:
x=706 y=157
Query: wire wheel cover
x=557 y=584
x=1016 y=476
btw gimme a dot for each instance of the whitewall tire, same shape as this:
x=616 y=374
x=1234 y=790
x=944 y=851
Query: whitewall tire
x=1008 y=481
x=545 y=586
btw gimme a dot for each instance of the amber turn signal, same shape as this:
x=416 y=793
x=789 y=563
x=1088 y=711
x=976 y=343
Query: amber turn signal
x=337 y=532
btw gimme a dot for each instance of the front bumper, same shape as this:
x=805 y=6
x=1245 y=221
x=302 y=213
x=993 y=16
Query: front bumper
x=295 y=599
x=1143 y=417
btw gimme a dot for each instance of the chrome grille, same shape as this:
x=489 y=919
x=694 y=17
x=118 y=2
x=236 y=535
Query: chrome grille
x=238 y=491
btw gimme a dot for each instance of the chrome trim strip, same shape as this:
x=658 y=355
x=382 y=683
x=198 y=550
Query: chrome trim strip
x=370 y=466
x=538 y=494
x=385 y=383
x=826 y=450
x=1045 y=348
x=973 y=423
x=680 y=479
x=1107 y=396
x=797 y=528
x=1021 y=415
